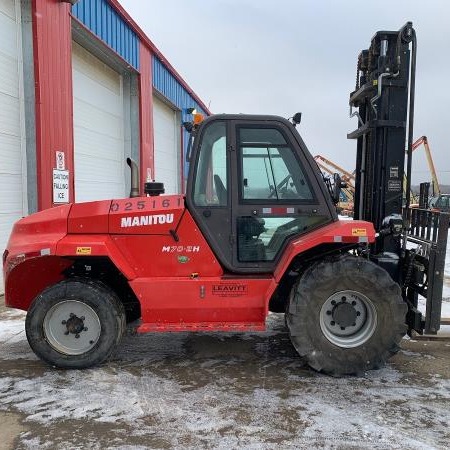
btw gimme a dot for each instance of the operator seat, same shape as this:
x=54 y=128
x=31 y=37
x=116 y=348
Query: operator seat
x=250 y=246
x=221 y=191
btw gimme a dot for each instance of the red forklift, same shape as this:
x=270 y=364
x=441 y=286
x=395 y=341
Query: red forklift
x=257 y=231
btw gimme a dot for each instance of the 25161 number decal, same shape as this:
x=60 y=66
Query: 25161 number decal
x=141 y=205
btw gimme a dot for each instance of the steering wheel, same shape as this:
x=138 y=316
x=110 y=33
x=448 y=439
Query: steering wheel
x=283 y=183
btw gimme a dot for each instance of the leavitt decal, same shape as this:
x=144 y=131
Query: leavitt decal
x=229 y=290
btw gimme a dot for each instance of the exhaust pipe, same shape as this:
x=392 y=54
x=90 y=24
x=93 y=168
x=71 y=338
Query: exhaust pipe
x=134 y=192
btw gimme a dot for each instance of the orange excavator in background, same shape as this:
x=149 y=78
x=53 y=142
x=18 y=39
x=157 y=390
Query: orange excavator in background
x=345 y=206
x=435 y=188
x=346 y=203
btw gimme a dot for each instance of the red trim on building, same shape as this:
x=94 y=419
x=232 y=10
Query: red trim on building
x=144 y=39
x=53 y=93
x=147 y=152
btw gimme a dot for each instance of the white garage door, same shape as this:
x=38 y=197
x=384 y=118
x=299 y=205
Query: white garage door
x=166 y=136
x=98 y=117
x=12 y=186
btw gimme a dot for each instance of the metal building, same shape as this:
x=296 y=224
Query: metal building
x=82 y=88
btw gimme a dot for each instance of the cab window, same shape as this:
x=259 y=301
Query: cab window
x=211 y=181
x=271 y=176
x=269 y=167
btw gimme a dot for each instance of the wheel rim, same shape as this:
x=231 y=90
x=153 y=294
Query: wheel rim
x=348 y=319
x=72 y=327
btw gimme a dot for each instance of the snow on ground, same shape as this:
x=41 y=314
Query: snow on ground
x=224 y=391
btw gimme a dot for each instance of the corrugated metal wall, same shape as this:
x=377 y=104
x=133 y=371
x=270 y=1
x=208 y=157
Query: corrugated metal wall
x=166 y=84
x=105 y=23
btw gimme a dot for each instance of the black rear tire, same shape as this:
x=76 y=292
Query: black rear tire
x=311 y=305
x=57 y=329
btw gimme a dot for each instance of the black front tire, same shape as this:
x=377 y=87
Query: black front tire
x=304 y=316
x=46 y=332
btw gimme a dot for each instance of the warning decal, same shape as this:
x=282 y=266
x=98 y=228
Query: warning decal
x=359 y=232
x=84 y=250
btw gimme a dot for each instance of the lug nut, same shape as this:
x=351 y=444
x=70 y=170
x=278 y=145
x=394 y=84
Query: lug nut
x=82 y=317
x=77 y=336
x=342 y=328
x=66 y=332
x=333 y=302
x=332 y=323
x=353 y=324
x=344 y=298
x=64 y=322
x=85 y=329
x=329 y=313
x=91 y=342
x=71 y=315
x=358 y=313
x=353 y=303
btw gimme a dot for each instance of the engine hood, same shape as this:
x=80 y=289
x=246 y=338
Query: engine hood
x=44 y=228
x=146 y=215
x=140 y=215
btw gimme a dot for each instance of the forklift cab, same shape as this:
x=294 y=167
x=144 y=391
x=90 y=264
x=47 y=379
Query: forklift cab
x=252 y=187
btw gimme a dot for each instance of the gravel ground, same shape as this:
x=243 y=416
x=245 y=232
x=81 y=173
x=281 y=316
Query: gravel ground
x=246 y=391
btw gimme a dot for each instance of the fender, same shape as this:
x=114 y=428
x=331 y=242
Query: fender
x=342 y=231
x=91 y=245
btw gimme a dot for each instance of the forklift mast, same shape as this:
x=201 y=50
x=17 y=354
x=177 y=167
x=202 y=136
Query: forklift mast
x=411 y=243
x=381 y=95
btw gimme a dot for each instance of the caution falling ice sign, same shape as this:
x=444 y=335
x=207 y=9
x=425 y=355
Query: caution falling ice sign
x=60 y=186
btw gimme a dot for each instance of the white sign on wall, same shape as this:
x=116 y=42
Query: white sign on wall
x=60 y=186
x=60 y=161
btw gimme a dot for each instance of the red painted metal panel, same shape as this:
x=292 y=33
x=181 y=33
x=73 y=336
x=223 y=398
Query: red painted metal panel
x=160 y=255
x=95 y=245
x=53 y=92
x=147 y=153
x=178 y=304
x=89 y=217
x=343 y=231
x=146 y=215
x=38 y=231
x=19 y=293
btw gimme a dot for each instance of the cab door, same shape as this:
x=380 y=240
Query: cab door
x=253 y=187
x=209 y=188
x=277 y=195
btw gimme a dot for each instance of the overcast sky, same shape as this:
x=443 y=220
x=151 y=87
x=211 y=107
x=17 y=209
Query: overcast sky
x=279 y=57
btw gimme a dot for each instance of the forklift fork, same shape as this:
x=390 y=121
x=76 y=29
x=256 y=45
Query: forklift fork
x=424 y=268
